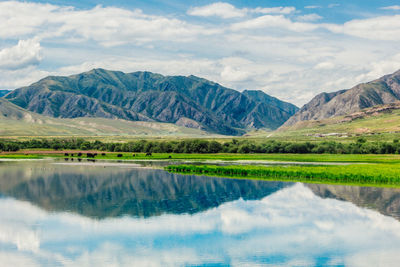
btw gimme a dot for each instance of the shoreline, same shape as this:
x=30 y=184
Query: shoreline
x=265 y=158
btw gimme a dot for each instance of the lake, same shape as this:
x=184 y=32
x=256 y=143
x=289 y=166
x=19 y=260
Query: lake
x=60 y=213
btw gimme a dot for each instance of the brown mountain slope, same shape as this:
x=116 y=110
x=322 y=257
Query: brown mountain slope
x=384 y=90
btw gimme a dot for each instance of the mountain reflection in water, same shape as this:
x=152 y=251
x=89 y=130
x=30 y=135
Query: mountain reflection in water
x=384 y=200
x=104 y=191
x=77 y=215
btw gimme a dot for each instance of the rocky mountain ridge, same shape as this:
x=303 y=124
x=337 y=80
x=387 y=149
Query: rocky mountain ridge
x=144 y=96
x=381 y=91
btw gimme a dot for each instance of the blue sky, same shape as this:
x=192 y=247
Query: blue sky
x=332 y=11
x=289 y=49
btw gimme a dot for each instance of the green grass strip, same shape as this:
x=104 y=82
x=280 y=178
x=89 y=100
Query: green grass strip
x=360 y=174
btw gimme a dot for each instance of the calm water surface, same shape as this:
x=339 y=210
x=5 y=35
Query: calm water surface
x=125 y=215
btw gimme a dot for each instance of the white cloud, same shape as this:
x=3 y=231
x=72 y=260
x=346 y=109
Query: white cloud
x=22 y=237
x=275 y=49
x=388 y=257
x=379 y=28
x=11 y=79
x=380 y=68
x=309 y=17
x=232 y=74
x=333 y=5
x=274 y=10
x=312 y=7
x=219 y=9
x=226 y=10
x=122 y=26
x=391 y=7
x=25 y=53
x=325 y=66
x=17 y=18
x=16 y=259
x=118 y=26
x=270 y=21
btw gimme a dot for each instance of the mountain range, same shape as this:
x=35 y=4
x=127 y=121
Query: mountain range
x=382 y=91
x=130 y=191
x=150 y=192
x=144 y=96
x=108 y=100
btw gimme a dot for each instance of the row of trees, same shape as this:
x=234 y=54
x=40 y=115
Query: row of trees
x=204 y=146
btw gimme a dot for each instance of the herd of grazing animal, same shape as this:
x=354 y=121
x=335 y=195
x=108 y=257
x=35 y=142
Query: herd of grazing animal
x=93 y=155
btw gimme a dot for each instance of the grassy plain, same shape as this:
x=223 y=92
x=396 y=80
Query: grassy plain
x=34 y=126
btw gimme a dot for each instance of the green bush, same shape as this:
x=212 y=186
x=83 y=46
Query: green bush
x=205 y=146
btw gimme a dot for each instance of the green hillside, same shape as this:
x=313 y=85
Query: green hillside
x=15 y=121
x=376 y=123
x=384 y=90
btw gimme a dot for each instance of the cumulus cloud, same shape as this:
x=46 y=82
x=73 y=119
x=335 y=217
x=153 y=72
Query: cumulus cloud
x=118 y=26
x=309 y=17
x=270 y=21
x=16 y=259
x=226 y=10
x=20 y=236
x=333 y=5
x=17 y=18
x=325 y=66
x=396 y=7
x=378 y=28
x=380 y=68
x=25 y=53
x=11 y=79
x=312 y=7
x=219 y=9
x=274 y=10
x=122 y=26
x=286 y=53
x=236 y=69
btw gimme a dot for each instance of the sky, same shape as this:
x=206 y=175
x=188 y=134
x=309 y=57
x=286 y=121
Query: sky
x=292 y=50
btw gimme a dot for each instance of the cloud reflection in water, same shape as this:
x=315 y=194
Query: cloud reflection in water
x=290 y=227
